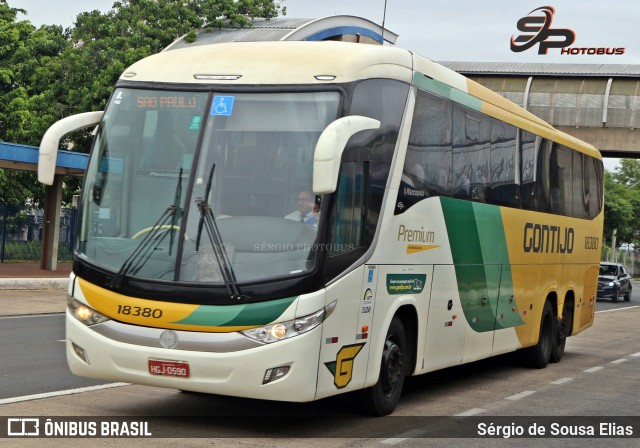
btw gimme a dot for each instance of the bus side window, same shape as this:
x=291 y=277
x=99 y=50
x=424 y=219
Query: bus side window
x=580 y=201
x=471 y=153
x=543 y=162
x=561 y=180
x=593 y=189
x=505 y=188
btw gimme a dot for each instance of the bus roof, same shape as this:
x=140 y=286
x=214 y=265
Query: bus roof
x=303 y=62
x=274 y=63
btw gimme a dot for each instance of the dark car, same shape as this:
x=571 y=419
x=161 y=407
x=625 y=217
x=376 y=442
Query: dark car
x=613 y=282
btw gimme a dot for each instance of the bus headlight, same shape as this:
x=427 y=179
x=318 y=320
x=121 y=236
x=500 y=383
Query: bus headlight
x=84 y=313
x=290 y=328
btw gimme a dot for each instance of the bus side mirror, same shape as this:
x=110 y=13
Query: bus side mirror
x=329 y=149
x=50 y=143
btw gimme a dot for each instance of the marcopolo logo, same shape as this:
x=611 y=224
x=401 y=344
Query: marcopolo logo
x=536 y=29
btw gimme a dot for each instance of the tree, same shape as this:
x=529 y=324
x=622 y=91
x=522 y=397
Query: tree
x=622 y=203
x=618 y=210
x=27 y=103
x=104 y=44
x=49 y=73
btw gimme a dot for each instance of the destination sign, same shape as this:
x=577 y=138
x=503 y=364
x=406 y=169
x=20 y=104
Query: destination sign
x=167 y=102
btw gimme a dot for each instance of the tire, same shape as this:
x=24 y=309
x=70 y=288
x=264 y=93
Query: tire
x=563 y=330
x=539 y=355
x=616 y=296
x=627 y=296
x=382 y=398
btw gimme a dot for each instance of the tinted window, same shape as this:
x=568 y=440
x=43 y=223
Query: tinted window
x=471 y=152
x=457 y=151
x=543 y=164
x=504 y=181
x=560 y=180
x=427 y=165
x=384 y=100
x=528 y=145
x=580 y=206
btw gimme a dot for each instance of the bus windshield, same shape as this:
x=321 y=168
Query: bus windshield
x=164 y=161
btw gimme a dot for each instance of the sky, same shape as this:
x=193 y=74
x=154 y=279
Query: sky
x=455 y=30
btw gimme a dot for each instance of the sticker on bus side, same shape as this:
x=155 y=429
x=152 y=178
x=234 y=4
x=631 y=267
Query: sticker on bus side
x=222 y=105
x=405 y=283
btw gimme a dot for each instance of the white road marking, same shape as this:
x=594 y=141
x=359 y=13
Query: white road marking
x=404 y=436
x=562 y=380
x=593 y=369
x=618 y=309
x=636 y=355
x=60 y=393
x=526 y=393
x=619 y=361
x=23 y=316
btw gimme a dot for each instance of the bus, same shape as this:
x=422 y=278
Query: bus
x=448 y=224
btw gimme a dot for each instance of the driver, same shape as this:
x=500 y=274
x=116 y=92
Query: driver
x=305 y=209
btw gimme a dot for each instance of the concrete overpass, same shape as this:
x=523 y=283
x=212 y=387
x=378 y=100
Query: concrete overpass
x=599 y=104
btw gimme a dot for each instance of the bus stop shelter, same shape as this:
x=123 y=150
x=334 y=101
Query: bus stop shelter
x=23 y=157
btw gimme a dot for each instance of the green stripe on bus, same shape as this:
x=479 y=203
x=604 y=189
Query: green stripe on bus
x=481 y=259
x=423 y=82
x=250 y=314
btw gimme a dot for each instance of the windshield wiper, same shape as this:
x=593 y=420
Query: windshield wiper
x=208 y=222
x=145 y=249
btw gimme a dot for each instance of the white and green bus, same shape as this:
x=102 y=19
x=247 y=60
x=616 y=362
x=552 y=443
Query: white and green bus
x=446 y=224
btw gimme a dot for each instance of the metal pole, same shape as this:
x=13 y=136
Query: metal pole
x=4 y=233
x=74 y=220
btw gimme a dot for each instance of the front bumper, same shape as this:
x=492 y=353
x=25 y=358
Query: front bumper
x=607 y=291
x=238 y=373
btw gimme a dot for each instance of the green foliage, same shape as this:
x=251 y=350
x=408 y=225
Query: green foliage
x=32 y=251
x=48 y=73
x=622 y=203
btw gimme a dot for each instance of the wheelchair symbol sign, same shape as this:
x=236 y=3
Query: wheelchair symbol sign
x=222 y=105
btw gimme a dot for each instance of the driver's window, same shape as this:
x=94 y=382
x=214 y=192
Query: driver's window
x=346 y=225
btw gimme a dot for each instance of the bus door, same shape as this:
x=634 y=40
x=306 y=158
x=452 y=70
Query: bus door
x=345 y=336
x=446 y=327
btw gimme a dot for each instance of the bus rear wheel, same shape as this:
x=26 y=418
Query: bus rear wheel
x=539 y=355
x=382 y=398
x=563 y=330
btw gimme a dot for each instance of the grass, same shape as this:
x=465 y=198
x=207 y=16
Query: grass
x=32 y=251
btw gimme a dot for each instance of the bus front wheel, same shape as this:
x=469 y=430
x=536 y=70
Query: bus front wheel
x=382 y=398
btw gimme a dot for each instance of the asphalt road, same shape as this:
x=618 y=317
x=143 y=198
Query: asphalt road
x=33 y=356
x=597 y=377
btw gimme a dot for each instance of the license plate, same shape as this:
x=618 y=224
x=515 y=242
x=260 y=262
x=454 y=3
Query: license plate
x=163 y=367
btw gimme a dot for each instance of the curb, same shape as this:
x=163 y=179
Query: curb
x=34 y=283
